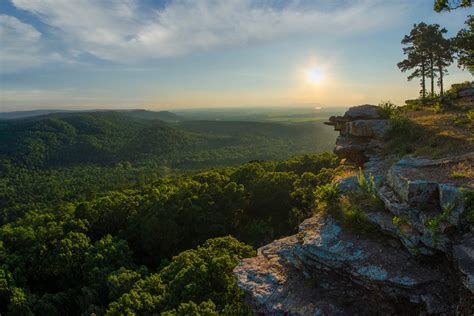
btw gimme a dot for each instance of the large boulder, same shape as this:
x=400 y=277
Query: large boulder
x=369 y=128
x=363 y=112
x=352 y=149
x=361 y=130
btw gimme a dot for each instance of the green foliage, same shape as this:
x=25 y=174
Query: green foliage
x=469 y=205
x=64 y=251
x=195 y=281
x=116 y=138
x=464 y=43
x=387 y=109
x=448 y=5
x=402 y=136
x=397 y=221
x=366 y=184
x=428 y=56
x=326 y=195
x=433 y=224
x=400 y=222
x=470 y=116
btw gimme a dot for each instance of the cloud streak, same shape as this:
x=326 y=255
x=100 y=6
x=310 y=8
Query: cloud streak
x=20 y=45
x=125 y=31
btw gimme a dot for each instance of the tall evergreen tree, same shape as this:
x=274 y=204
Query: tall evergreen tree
x=428 y=53
x=417 y=57
x=464 y=46
x=444 y=58
x=441 y=54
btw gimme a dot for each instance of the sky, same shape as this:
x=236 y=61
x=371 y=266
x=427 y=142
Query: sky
x=175 y=54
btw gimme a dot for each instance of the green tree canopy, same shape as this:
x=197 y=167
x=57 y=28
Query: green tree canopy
x=448 y=5
x=464 y=46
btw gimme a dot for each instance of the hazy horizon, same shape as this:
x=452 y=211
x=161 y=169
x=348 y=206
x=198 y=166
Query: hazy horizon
x=170 y=55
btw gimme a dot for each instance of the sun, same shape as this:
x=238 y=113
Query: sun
x=315 y=76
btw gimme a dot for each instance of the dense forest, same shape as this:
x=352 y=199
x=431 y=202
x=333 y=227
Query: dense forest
x=106 y=213
x=111 y=137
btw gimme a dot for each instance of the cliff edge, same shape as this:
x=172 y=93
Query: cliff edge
x=397 y=238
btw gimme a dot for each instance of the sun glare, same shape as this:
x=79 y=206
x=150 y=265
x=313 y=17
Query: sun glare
x=315 y=76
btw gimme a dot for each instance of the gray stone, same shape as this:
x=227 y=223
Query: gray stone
x=451 y=199
x=329 y=270
x=369 y=128
x=347 y=185
x=464 y=255
x=412 y=191
x=365 y=111
x=466 y=92
x=351 y=149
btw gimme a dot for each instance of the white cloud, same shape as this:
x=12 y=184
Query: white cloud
x=23 y=46
x=20 y=45
x=123 y=30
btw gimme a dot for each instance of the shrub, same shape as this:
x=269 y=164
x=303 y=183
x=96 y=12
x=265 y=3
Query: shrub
x=470 y=116
x=413 y=105
x=437 y=107
x=327 y=193
x=367 y=185
x=402 y=135
x=469 y=206
x=387 y=109
x=455 y=88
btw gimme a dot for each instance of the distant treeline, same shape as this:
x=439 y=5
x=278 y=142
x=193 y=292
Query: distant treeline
x=105 y=138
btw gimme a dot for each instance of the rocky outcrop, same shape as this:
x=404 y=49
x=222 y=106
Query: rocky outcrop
x=361 y=130
x=328 y=270
x=419 y=260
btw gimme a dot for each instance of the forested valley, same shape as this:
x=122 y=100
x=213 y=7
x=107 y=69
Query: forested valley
x=112 y=213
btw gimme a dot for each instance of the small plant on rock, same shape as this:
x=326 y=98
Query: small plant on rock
x=326 y=196
x=366 y=184
x=434 y=223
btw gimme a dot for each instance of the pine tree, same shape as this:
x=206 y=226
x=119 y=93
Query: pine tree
x=428 y=54
x=464 y=46
x=417 y=57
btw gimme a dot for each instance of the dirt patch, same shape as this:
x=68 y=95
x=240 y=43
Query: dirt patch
x=460 y=173
x=440 y=135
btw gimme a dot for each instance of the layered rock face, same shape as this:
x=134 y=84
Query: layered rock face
x=361 y=130
x=420 y=260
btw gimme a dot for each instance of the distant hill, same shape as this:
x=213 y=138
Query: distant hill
x=142 y=114
x=24 y=114
x=166 y=116
x=107 y=137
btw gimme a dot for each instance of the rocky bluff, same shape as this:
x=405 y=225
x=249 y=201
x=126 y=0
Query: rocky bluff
x=361 y=131
x=420 y=260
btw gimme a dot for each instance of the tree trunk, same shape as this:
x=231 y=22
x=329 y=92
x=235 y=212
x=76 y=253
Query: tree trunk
x=423 y=80
x=432 y=72
x=440 y=69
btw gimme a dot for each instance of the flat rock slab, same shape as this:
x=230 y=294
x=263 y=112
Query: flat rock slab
x=377 y=266
x=412 y=191
x=365 y=111
x=277 y=283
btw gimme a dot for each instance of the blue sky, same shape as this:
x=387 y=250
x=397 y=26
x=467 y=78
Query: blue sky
x=79 y=54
